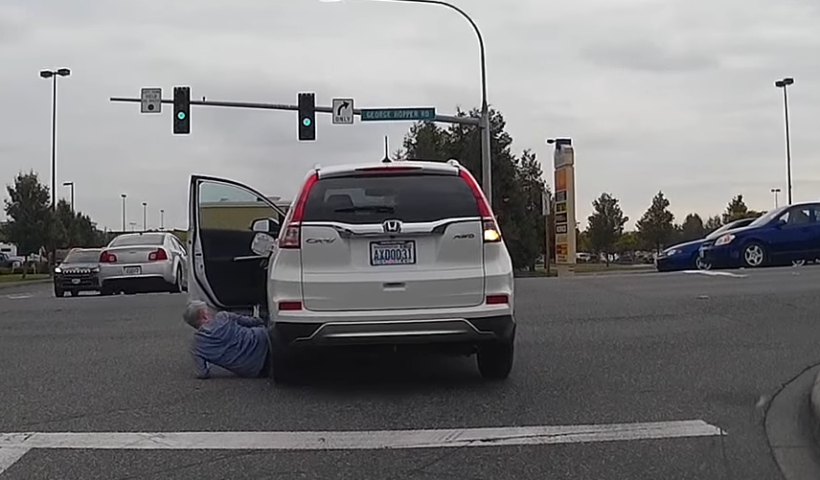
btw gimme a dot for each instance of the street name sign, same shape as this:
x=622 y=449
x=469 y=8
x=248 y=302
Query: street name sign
x=343 y=111
x=398 y=114
x=151 y=100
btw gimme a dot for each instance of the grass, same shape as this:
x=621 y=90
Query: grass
x=18 y=277
x=601 y=267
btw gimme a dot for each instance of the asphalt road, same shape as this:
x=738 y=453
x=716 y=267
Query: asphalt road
x=591 y=350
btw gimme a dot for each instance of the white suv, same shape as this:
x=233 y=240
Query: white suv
x=395 y=254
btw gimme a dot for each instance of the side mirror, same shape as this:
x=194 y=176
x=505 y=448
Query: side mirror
x=262 y=244
x=266 y=225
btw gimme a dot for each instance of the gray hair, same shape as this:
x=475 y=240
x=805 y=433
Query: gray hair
x=193 y=312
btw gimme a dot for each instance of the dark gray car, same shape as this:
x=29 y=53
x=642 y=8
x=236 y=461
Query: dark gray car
x=78 y=272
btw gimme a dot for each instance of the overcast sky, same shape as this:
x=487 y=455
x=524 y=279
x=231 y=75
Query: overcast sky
x=672 y=95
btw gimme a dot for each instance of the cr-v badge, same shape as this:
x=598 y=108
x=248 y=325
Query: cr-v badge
x=320 y=240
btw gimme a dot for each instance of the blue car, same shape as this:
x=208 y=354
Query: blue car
x=685 y=256
x=789 y=234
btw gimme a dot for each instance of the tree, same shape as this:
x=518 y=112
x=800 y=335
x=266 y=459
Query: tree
x=736 y=210
x=712 y=224
x=628 y=243
x=692 y=228
x=605 y=225
x=517 y=184
x=74 y=229
x=30 y=224
x=655 y=226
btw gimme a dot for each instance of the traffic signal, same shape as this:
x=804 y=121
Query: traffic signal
x=307 y=116
x=182 y=110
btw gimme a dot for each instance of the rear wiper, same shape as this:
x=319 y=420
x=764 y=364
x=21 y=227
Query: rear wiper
x=374 y=208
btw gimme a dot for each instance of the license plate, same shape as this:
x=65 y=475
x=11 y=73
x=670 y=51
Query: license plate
x=132 y=270
x=75 y=281
x=393 y=253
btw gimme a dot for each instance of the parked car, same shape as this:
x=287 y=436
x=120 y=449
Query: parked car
x=686 y=256
x=784 y=235
x=143 y=262
x=405 y=254
x=78 y=272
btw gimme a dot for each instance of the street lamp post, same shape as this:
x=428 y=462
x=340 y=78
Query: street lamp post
x=162 y=219
x=70 y=185
x=484 y=121
x=124 y=196
x=144 y=216
x=776 y=193
x=53 y=75
x=133 y=225
x=784 y=84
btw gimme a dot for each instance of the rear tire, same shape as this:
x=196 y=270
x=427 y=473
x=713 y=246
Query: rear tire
x=495 y=360
x=282 y=368
x=177 y=286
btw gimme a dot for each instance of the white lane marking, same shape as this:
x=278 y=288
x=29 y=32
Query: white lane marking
x=19 y=296
x=716 y=274
x=9 y=455
x=354 y=440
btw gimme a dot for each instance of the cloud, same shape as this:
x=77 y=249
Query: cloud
x=674 y=95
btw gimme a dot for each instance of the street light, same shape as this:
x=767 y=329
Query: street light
x=784 y=84
x=71 y=185
x=144 y=216
x=133 y=225
x=124 y=196
x=484 y=121
x=53 y=75
x=776 y=192
x=162 y=219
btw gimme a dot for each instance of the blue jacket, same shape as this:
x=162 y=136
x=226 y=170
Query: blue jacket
x=237 y=343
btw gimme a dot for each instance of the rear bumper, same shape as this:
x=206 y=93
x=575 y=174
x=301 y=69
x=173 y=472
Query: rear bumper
x=473 y=330
x=149 y=272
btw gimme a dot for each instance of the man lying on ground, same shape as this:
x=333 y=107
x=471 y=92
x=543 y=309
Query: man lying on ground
x=237 y=343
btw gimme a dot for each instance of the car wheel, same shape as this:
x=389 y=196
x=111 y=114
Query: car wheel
x=754 y=255
x=495 y=360
x=177 y=287
x=282 y=368
x=798 y=263
x=702 y=264
x=59 y=292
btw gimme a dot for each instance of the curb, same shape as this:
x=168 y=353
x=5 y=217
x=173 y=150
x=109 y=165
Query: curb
x=7 y=285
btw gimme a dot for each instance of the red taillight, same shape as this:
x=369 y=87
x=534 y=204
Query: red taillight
x=497 y=299
x=290 y=306
x=492 y=233
x=107 y=257
x=291 y=235
x=386 y=169
x=159 y=254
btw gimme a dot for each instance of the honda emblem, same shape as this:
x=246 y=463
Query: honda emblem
x=392 y=226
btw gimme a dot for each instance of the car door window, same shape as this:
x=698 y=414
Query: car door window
x=226 y=217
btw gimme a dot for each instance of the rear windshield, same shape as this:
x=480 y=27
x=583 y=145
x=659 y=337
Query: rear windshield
x=134 y=240
x=376 y=198
x=82 y=257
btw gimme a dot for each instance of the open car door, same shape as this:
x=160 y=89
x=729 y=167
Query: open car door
x=223 y=218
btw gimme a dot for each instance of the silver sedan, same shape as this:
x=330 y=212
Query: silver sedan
x=143 y=262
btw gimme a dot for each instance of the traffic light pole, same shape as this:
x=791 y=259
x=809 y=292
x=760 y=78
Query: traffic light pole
x=294 y=108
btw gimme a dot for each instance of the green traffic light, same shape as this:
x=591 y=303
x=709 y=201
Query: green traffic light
x=181 y=115
x=306 y=122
